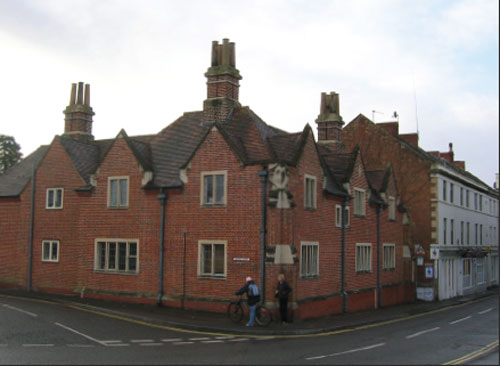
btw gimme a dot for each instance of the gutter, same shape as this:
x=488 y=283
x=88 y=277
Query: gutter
x=163 y=201
x=263 y=229
x=32 y=228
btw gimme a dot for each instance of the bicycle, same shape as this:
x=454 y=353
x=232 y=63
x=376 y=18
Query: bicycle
x=236 y=310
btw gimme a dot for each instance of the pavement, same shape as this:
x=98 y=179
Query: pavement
x=201 y=321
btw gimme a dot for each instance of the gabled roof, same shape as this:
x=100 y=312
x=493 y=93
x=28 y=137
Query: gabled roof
x=427 y=156
x=15 y=179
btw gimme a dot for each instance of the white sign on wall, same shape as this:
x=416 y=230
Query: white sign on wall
x=434 y=251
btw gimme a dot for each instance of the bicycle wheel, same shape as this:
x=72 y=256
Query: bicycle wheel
x=263 y=316
x=235 y=312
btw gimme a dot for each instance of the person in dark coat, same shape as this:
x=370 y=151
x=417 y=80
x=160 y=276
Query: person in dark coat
x=253 y=298
x=282 y=292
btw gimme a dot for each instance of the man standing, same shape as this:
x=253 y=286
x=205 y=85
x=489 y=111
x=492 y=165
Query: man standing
x=253 y=296
x=282 y=292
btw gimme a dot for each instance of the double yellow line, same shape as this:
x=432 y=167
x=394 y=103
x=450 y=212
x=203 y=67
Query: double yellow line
x=469 y=357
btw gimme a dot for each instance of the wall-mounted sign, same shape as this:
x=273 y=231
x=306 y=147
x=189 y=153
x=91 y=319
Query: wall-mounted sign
x=239 y=259
x=434 y=251
x=429 y=271
x=420 y=261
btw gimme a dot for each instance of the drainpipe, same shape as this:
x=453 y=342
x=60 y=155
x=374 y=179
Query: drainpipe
x=379 y=286
x=32 y=226
x=263 y=229
x=163 y=201
x=342 y=257
x=184 y=272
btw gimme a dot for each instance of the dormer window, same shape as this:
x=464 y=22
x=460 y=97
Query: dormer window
x=359 y=202
x=54 y=198
x=392 y=209
x=213 y=188
x=118 y=192
x=310 y=192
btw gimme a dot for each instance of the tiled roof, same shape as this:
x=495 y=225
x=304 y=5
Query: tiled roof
x=15 y=179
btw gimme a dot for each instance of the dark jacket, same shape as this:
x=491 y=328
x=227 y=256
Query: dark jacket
x=283 y=290
x=252 y=300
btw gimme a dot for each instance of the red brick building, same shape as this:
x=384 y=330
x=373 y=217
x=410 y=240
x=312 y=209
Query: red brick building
x=182 y=217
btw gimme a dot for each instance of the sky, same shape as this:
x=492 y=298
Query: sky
x=435 y=62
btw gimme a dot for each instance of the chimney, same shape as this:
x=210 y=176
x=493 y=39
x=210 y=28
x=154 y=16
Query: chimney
x=450 y=155
x=391 y=128
x=329 y=120
x=78 y=114
x=411 y=138
x=222 y=83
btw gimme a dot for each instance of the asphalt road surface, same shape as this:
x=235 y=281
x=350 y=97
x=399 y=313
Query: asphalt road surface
x=39 y=332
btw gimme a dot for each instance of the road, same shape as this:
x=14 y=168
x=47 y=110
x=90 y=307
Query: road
x=40 y=332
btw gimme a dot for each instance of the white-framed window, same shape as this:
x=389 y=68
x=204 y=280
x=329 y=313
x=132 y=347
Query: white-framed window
x=363 y=257
x=466 y=198
x=309 y=259
x=309 y=191
x=389 y=256
x=452 y=188
x=480 y=203
x=117 y=255
x=359 y=202
x=467 y=281
x=461 y=233
x=480 y=270
x=50 y=251
x=468 y=233
x=338 y=216
x=445 y=223
x=118 y=192
x=452 y=231
x=444 y=190
x=212 y=258
x=461 y=196
x=392 y=208
x=54 y=198
x=213 y=188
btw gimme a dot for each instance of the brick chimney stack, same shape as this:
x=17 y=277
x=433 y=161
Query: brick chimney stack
x=78 y=114
x=329 y=120
x=222 y=83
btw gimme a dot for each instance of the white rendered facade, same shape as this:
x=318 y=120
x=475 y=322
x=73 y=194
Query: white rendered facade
x=465 y=221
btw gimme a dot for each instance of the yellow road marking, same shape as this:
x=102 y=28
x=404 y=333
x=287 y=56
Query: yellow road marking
x=219 y=334
x=472 y=355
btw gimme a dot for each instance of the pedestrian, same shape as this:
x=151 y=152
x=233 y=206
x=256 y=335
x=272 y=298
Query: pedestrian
x=282 y=292
x=253 y=295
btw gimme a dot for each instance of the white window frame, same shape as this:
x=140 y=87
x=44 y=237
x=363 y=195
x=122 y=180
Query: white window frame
x=444 y=190
x=363 y=258
x=50 y=244
x=310 y=188
x=107 y=247
x=309 y=265
x=480 y=277
x=338 y=216
x=389 y=256
x=211 y=273
x=392 y=208
x=467 y=277
x=359 y=202
x=214 y=188
x=118 y=193
x=54 y=205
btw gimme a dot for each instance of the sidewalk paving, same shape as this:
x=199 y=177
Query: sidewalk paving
x=220 y=323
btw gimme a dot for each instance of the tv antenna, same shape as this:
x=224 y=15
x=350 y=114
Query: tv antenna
x=373 y=114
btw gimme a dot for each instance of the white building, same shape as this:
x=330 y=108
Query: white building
x=465 y=213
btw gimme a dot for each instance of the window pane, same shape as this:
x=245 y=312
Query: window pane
x=219 y=189
x=219 y=259
x=46 y=250
x=209 y=189
x=132 y=250
x=101 y=250
x=112 y=256
x=59 y=198
x=123 y=192
x=314 y=269
x=54 y=251
x=206 y=261
x=113 y=193
x=303 y=260
x=50 y=198
x=122 y=256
